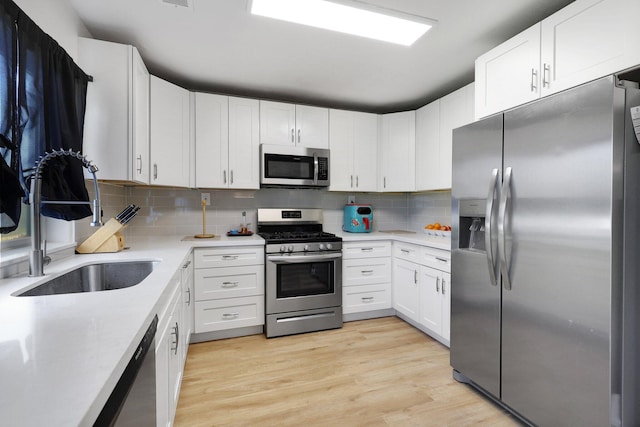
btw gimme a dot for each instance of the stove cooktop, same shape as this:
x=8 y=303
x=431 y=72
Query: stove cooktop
x=298 y=236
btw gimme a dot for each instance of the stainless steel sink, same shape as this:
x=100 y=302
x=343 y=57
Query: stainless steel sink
x=94 y=278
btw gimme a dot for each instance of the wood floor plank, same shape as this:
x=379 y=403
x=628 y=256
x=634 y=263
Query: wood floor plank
x=379 y=372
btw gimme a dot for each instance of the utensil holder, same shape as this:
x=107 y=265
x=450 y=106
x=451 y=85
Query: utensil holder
x=106 y=239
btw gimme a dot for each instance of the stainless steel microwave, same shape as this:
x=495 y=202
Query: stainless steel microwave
x=281 y=165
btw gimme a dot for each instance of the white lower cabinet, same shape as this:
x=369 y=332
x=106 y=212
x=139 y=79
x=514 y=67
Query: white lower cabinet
x=229 y=288
x=422 y=288
x=366 y=277
x=169 y=357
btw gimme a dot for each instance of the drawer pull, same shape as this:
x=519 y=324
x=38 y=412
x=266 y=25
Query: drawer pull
x=366 y=249
x=367 y=299
x=230 y=284
x=366 y=272
x=230 y=316
x=442 y=259
x=405 y=251
x=229 y=257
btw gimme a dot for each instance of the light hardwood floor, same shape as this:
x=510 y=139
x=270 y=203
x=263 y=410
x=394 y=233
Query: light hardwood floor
x=379 y=372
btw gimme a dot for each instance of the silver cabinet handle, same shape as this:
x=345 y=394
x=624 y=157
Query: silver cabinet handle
x=189 y=293
x=366 y=272
x=488 y=220
x=442 y=259
x=502 y=232
x=366 y=299
x=437 y=285
x=228 y=285
x=351 y=181
x=366 y=249
x=357 y=181
x=224 y=176
x=546 y=75
x=139 y=163
x=155 y=171
x=534 y=78
x=187 y=264
x=443 y=289
x=176 y=332
x=231 y=176
x=293 y=138
x=384 y=181
x=298 y=136
x=405 y=251
x=230 y=316
x=415 y=277
x=229 y=257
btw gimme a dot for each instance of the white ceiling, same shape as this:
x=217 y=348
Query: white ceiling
x=217 y=46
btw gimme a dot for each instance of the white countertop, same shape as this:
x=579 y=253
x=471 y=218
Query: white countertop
x=61 y=355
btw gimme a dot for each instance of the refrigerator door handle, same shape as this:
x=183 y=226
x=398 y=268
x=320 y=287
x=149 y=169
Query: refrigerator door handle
x=502 y=234
x=488 y=219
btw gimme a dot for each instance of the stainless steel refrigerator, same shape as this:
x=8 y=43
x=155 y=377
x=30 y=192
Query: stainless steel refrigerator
x=545 y=259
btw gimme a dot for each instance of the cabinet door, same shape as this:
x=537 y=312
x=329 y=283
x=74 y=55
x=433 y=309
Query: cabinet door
x=456 y=109
x=509 y=74
x=175 y=361
x=212 y=140
x=431 y=299
x=588 y=39
x=169 y=134
x=162 y=375
x=312 y=126
x=428 y=146
x=405 y=288
x=398 y=151
x=365 y=151
x=445 y=289
x=277 y=123
x=140 y=119
x=341 y=141
x=244 y=143
x=188 y=296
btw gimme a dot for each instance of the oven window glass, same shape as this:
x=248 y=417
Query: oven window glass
x=292 y=167
x=296 y=280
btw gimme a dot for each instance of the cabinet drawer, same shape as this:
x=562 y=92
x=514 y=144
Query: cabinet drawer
x=434 y=258
x=367 y=271
x=229 y=282
x=229 y=257
x=366 y=250
x=366 y=298
x=218 y=315
x=407 y=251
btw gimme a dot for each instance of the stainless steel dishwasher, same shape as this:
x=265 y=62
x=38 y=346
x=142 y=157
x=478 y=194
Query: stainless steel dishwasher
x=133 y=400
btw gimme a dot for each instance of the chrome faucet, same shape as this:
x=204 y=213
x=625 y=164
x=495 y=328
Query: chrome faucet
x=38 y=257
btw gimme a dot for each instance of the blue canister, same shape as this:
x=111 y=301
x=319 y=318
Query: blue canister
x=358 y=218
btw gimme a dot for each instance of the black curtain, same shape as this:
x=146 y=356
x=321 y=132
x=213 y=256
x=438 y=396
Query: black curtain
x=48 y=114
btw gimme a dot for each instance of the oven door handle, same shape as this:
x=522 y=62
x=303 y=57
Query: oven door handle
x=290 y=259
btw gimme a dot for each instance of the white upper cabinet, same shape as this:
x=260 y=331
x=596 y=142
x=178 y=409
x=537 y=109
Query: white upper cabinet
x=212 y=140
x=227 y=142
x=397 y=152
x=508 y=75
x=353 y=139
x=428 y=147
x=290 y=124
x=116 y=127
x=244 y=143
x=170 y=134
x=586 y=40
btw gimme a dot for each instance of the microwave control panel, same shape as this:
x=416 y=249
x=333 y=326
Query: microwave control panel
x=323 y=168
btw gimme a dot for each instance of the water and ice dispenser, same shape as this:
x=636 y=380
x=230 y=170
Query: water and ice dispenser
x=472 y=214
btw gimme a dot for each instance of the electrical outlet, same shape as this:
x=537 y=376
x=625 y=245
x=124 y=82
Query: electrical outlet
x=207 y=197
x=351 y=199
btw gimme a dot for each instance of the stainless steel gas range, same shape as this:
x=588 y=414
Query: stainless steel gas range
x=303 y=264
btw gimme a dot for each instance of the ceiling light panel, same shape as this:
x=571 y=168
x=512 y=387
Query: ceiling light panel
x=344 y=18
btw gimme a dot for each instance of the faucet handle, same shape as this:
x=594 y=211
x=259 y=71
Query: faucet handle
x=46 y=259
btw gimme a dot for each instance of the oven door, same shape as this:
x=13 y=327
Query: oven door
x=303 y=282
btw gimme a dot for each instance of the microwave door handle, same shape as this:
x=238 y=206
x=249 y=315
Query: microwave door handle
x=315 y=168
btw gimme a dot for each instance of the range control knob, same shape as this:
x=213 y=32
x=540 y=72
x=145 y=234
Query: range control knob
x=322 y=247
x=329 y=246
x=306 y=248
x=283 y=248
x=290 y=248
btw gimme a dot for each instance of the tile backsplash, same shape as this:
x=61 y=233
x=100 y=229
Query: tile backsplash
x=178 y=212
